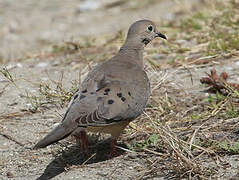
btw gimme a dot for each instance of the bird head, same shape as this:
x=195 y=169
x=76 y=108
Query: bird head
x=142 y=32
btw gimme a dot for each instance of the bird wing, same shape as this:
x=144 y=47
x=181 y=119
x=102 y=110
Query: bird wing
x=107 y=104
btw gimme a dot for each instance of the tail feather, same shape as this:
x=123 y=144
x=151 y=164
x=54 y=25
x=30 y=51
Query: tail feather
x=59 y=133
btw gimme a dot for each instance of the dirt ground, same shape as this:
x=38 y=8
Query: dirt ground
x=30 y=32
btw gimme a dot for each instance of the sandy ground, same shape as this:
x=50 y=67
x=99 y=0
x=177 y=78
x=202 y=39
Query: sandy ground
x=30 y=28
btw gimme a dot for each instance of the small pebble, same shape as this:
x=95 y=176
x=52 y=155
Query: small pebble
x=19 y=65
x=9 y=174
x=29 y=105
x=88 y=5
x=228 y=68
x=56 y=124
x=158 y=56
x=41 y=65
x=181 y=41
x=237 y=63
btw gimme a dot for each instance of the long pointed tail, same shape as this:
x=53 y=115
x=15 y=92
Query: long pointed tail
x=60 y=132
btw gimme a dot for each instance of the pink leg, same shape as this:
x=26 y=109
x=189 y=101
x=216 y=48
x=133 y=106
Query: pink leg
x=113 y=152
x=83 y=141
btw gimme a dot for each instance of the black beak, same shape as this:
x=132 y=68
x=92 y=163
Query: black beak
x=158 y=34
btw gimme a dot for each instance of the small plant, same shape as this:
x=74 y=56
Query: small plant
x=191 y=23
x=151 y=141
x=195 y=116
x=232 y=113
x=50 y=94
x=66 y=48
x=4 y=71
x=230 y=148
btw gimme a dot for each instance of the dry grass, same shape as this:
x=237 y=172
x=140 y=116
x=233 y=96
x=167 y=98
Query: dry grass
x=54 y=94
x=203 y=37
x=181 y=134
x=179 y=130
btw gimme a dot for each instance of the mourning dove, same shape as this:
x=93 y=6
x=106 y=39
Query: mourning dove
x=114 y=93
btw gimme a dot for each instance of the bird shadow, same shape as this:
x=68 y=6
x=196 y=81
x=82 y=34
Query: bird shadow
x=74 y=156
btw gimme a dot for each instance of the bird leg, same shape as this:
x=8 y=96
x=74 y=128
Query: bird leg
x=82 y=139
x=113 y=152
x=84 y=142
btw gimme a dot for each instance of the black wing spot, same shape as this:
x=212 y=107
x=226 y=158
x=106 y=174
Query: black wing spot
x=129 y=93
x=123 y=99
x=110 y=101
x=119 y=95
x=107 y=90
x=84 y=91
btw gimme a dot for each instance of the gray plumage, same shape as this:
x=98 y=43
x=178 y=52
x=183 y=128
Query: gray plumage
x=114 y=93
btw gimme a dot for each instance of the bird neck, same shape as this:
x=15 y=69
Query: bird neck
x=133 y=53
x=133 y=42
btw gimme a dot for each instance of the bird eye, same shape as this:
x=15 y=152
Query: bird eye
x=150 y=28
